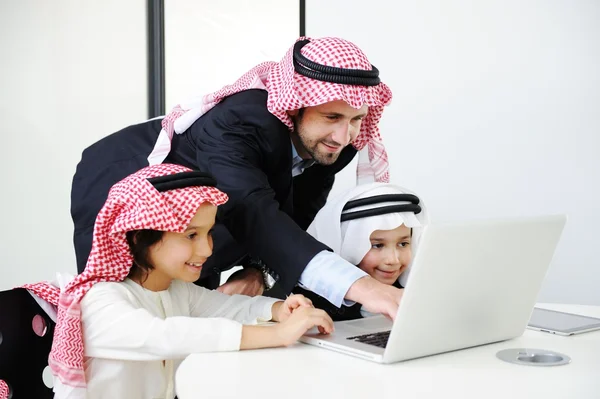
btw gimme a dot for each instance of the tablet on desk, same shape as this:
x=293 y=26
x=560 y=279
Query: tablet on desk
x=561 y=323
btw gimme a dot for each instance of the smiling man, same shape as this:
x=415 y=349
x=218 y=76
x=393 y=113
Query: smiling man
x=322 y=132
x=274 y=141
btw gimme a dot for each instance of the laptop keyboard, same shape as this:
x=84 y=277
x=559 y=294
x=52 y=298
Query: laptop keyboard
x=379 y=339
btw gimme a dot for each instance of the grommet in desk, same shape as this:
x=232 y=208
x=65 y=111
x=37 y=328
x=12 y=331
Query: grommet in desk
x=533 y=357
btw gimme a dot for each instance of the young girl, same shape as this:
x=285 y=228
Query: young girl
x=374 y=226
x=128 y=320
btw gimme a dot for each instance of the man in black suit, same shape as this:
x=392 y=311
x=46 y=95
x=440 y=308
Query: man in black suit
x=274 y=141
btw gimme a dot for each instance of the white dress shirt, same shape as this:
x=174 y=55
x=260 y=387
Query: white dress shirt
x=327 y=274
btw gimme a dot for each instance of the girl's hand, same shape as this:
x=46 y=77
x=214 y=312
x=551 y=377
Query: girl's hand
x=282 y=310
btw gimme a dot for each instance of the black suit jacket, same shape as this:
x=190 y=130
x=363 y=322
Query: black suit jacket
x=249 y=152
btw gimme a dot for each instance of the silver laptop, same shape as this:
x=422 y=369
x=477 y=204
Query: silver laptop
x=470 y=284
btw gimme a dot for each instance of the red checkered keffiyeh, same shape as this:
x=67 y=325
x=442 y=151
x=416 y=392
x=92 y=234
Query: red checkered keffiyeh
x=288 y=91
x=4 y=391
x=46 y=291
x=132 y=204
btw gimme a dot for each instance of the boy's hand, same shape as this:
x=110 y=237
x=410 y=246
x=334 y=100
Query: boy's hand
x=302 y=319
x=282 y=310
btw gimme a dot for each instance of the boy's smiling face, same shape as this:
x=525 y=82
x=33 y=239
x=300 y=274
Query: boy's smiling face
x=390 y=254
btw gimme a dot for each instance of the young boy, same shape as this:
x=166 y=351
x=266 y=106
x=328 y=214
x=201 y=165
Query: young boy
x=130 y=318
x=375 y=226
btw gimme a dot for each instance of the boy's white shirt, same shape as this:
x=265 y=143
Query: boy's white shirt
x=129 y=331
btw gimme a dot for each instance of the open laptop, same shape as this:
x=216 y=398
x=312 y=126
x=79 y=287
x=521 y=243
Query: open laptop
x=470 y=284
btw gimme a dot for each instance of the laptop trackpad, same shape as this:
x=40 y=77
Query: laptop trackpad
x=369 y=324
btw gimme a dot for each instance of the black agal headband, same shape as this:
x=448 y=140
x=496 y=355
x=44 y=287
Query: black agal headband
x=325 y=73
x=412 y=206
x=181 y=180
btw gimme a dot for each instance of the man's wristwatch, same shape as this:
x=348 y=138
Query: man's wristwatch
x=268 y=279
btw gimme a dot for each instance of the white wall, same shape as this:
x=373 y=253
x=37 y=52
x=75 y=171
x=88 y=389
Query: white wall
x=210 y=44
x=496 y=112
x=71 y=72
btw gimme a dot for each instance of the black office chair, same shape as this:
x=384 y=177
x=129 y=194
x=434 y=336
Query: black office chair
x=25 y=341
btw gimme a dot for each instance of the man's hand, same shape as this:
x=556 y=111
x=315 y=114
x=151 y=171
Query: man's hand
x=376 y=297
x=247 y=281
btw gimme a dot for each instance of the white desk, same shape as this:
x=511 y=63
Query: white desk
x=305 y=372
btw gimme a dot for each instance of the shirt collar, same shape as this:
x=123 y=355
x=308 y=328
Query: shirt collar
x=294 y=152
x=299 y=164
